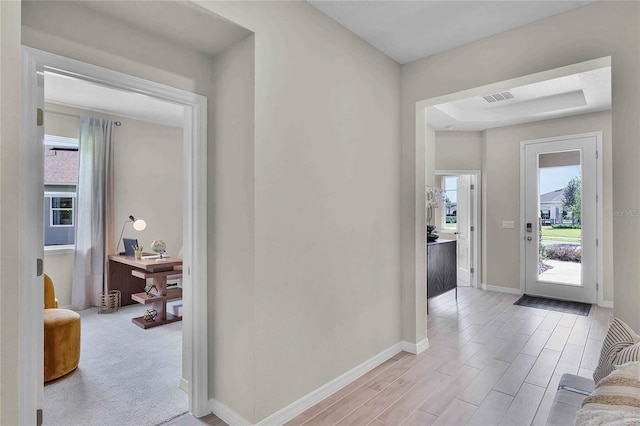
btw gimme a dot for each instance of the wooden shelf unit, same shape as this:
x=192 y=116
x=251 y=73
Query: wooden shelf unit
x=172 y=294
x=148 y=269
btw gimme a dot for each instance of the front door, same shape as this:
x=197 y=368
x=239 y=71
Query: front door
x=560 y=217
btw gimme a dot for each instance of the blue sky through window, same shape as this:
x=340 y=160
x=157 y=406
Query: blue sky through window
x=451 y=188
x=553 y=178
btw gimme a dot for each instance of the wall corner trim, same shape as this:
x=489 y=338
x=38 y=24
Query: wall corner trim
x=415 y=348
x=226 y=414
x=289 y=412
x=500 y=289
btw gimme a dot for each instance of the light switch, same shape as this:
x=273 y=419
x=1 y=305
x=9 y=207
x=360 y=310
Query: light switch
x=508 y=224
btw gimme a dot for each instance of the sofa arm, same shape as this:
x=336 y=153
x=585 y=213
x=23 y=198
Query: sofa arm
x=572 y=390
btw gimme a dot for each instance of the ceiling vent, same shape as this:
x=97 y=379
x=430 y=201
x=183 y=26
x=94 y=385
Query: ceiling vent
x=497 y=97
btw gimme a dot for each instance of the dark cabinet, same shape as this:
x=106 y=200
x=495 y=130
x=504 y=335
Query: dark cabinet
x=442 y=269
x=120 y=278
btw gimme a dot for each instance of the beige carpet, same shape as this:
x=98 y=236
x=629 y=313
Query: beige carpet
x=126 y=376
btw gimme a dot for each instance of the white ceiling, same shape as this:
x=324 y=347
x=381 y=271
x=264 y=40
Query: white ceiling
x=411 y=30
x=404 y=30
x=81 y=94
x=575 y=94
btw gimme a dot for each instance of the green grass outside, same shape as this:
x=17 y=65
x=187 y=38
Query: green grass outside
x=561 y=235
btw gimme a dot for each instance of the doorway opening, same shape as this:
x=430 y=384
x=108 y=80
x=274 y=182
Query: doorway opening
x=147 y=173
x=459 y=218
x=193 y=230
x=463 y=112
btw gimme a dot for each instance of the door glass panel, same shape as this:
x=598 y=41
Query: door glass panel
x=450 y=203
x=559 y=218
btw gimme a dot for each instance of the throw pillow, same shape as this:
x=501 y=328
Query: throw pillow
x=615 y=400
x=620 y=337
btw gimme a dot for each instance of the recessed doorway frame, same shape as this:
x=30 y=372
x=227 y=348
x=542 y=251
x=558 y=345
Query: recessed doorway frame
x=195 y=334
x=476 y=196
x=424 y=146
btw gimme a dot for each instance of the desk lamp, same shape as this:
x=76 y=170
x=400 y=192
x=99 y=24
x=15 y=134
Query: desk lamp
x=138 y=225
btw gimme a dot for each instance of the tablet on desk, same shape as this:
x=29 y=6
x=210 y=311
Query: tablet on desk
x=151 y=256
x=128 y=246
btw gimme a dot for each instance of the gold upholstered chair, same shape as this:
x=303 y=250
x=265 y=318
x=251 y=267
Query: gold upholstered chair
x=61 y=336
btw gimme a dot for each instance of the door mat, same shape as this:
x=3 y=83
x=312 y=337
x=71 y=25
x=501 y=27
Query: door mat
x=576 y=308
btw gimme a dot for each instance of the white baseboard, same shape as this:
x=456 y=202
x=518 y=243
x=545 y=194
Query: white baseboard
x=415 y=348
x=280 y=417
x=226 y=414
x=606 y=304
x=184 y=384
x=501 y=289
x=311 y=399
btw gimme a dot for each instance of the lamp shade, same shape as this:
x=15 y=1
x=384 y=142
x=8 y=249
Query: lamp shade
x=139 y=225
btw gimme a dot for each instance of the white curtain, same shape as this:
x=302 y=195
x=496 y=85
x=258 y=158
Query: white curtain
x=94 y=224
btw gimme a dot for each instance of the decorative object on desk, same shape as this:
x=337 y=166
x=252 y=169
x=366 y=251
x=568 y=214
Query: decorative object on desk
x=151 y=290
x=138 y=225
x=433 y=198
x=159 y=246
x=138 y=252
x=432 y=235
x=150 y=315
x=109 y=301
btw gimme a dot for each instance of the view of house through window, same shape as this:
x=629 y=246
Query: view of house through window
x=450 y=202
x=560 y=198
x=60 y=179
x=62 y=211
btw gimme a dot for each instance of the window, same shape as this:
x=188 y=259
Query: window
x=545 y=215
x=450 y=203
x=62 y=211
x=60 y=180
x=59 y=218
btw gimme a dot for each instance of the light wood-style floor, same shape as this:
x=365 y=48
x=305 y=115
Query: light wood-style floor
x=489 y=363
x=189 y=420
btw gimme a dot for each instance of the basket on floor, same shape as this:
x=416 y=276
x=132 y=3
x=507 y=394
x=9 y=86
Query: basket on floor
x=109 y=301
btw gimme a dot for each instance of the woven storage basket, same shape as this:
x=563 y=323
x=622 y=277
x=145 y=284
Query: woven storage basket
x=109 y=302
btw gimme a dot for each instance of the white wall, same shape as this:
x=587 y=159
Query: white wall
x=148 y=179
x=326 y=200
x=458 y=150
x=59 y=266
x=594 y=31
x=231 y=228
x=9 y=194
